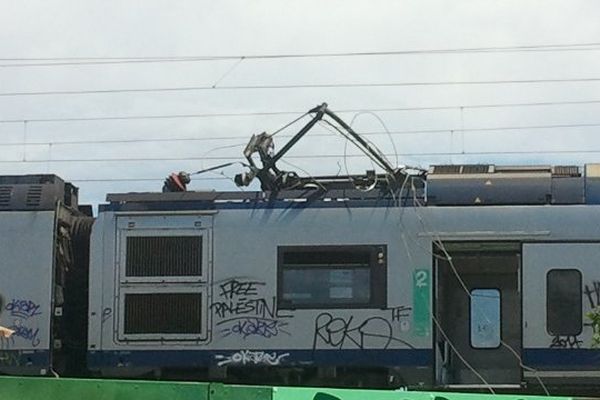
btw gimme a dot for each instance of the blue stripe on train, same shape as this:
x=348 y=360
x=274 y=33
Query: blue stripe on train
x=546 y=358
x=561 y=357
x=24 y=358
x=199 y=358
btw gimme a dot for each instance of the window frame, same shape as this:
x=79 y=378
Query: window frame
x=580 y=275
x=378 y=277
x=471 y=318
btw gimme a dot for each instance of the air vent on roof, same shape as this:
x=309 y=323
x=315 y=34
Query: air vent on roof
x=5 y=195
x=476 y=169
x=462 y=169
x=34 y=196
x=446 y=169
x=565 y=170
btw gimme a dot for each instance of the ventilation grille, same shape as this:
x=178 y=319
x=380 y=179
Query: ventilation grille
x=566 y=170
x=163 y=313
x=446 y=169
x=5 y=195
x=34 y=196
x=149 y=256
x=476 y=169
x=462 y=169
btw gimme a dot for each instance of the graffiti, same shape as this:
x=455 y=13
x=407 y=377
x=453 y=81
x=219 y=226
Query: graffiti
x=242 y=305
x=398 y=313
x=245 y=311
x=28 y=334
x=234 y=287
x=241 y=297
x=565 y=342
x=250 y=357
x=592 y=292
x=253 y=326
x=339 y=332
x=22 y=308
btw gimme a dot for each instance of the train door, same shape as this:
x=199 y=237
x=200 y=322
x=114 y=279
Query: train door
x=478 y=313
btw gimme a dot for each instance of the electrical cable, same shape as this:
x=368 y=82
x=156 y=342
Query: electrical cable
x=62 y=61
x=345 y=158
x=298 y=86
x=316 y=182
x=289 y=124
x=273 y=113
x=372 y=133
x=367 y=112
x=304 y=156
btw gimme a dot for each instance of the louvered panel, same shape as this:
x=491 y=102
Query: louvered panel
x=163 y=313
x=476 y=169
x=156 y=256
x=446 y=169
x=34 y=196
x=565 y=170
x=5 y=196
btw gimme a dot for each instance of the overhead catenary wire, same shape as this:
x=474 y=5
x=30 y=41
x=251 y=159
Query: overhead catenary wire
x=349 y=85
x=300 y=156
x=66 y=61
x=371 y=133
x=290 y=112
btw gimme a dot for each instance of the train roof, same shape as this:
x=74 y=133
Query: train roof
x=441 y=185
x=36 y=192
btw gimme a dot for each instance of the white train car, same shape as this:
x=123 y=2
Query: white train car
x=480 y=276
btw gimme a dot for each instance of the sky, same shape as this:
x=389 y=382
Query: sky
x=129 y=155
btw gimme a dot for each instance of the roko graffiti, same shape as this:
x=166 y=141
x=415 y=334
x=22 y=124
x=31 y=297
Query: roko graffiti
x=250 y=357
x=348 y=332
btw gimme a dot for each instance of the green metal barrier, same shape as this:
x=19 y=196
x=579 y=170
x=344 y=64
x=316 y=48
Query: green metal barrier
x=20 y=388
x=289 y=393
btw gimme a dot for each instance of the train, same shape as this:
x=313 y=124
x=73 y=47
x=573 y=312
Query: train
x=462 y=277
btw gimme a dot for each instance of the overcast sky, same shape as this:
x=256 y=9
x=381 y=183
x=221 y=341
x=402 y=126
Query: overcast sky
x=64 y=29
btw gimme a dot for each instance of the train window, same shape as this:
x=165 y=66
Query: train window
x=563 y=302
x=317 y=277
x=163 y=313
x=485 y=318
x=149 y=256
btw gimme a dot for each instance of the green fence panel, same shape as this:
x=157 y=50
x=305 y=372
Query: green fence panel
x=220 y=391
x=19 y=388
x=289 y=393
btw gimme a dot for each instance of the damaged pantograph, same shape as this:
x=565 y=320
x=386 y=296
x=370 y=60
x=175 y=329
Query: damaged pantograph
x=274 y=179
